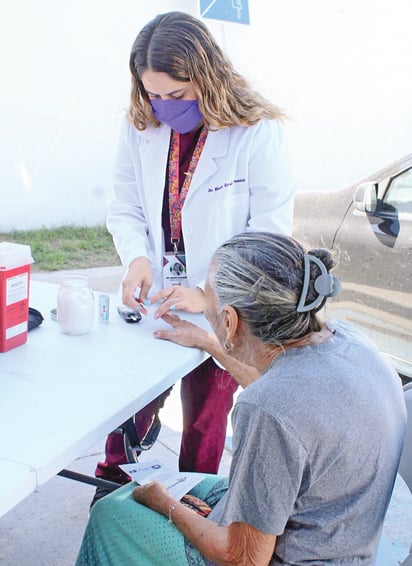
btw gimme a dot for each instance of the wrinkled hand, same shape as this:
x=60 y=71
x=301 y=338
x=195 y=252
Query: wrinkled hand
x=139 y=275
x=181 y=298
x=153 y=495
x=184 y=333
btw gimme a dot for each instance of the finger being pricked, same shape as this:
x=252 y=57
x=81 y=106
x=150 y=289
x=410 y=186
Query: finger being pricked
x=180 y=298
x=172 y=298
x=162 y=295
x=172 y=304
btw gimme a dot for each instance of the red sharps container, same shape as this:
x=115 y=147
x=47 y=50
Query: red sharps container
x=15 y=260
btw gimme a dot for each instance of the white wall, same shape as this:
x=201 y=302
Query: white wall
x=342 y=71
x=340 y=68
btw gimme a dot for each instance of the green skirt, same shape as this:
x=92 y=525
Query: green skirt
x=122 y=532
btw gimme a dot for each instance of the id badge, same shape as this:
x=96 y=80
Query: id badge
x=174 y=270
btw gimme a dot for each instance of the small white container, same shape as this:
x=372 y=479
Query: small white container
x=75 y=305
x=104 y=308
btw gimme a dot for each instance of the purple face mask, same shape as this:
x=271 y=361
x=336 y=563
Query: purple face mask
x=181 y=115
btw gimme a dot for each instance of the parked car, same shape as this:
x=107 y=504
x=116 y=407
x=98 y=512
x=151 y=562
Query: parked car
x=369 y=227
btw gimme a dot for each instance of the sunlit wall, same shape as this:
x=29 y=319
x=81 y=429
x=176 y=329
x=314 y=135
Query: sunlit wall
x=340 y=68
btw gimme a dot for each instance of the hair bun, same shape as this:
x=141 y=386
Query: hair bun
x=325 y=256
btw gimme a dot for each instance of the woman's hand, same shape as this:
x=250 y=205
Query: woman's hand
x=138 y=276
x=239 y=543
x=153 y=495
x=179 y=297
x=184 y=333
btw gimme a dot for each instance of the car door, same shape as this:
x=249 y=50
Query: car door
x=374 y=251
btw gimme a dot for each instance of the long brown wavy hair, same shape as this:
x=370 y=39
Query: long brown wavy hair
x=180 y=45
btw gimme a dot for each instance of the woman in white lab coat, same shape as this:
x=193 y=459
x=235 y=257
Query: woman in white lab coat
x=201 y=157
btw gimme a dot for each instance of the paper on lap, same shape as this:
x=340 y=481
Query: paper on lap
x=177 y=483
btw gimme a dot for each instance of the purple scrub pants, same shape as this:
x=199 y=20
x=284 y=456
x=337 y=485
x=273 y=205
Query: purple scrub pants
x=207 y=397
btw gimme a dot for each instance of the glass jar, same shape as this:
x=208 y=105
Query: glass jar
x=75 y=305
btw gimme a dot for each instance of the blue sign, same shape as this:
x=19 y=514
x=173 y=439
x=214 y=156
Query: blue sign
x=227 y=10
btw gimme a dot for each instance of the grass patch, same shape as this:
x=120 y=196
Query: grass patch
x=67 y=247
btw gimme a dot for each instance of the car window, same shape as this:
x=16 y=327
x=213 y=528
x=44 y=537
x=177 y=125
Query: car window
x=399 y=192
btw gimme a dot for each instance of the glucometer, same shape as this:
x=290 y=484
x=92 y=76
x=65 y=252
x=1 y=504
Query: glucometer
x=129 y=315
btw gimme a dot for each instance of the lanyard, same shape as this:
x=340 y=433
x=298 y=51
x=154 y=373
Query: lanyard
x=176 y=198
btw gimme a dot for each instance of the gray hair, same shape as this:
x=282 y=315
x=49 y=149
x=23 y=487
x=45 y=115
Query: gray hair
x=261 y=276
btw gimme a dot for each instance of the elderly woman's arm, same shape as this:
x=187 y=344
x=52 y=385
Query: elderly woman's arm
x=187 y=334
x=238 y=543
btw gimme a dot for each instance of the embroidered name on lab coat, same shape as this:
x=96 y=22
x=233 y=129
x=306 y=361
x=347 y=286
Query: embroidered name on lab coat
x=226 y=185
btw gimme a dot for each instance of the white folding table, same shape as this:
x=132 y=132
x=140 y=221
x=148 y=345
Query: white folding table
x=62 y=394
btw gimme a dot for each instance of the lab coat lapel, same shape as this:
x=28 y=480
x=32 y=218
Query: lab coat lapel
x=217 y=145
x=154 y=151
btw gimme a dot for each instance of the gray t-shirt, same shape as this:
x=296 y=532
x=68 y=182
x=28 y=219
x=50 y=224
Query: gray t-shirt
x=316 y=445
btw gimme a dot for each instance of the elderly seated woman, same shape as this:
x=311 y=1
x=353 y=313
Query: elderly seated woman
x=318 y=429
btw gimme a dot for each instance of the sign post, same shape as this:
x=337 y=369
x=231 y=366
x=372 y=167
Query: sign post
x=226 y=10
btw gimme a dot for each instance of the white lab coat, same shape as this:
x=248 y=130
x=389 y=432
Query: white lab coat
x=242 y=182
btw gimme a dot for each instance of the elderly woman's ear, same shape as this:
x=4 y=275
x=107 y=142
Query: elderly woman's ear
x=230 y=319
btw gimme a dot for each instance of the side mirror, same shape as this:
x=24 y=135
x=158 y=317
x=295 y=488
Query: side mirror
x=365 y=197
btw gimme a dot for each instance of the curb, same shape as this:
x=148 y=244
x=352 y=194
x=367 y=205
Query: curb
x=104 y=279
